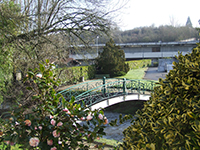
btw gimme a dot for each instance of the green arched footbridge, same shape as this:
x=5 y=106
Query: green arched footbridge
x=105 y=92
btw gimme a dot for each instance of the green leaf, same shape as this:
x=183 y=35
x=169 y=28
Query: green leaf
x=42 y=68
x=47 y=61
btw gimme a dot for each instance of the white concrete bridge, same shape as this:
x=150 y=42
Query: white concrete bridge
x=141 y=50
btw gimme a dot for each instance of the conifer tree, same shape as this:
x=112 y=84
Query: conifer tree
x=112 y=60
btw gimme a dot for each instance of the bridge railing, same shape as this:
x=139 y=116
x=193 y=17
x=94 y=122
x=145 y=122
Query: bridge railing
x=114 y=89
x=77 y=89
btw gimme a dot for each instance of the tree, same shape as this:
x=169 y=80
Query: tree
x=36 y=30
x=45 y=20
x=9 y=22
x=170 y=119
x=112 y=60
x=188 y=23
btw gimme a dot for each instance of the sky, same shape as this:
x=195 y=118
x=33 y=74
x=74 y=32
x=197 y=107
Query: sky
x=140 y=13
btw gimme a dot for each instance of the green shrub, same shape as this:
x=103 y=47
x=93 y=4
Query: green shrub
x=171 y=118
x=121 y=73
x=111 y=60
x=72 y=75
x=47 y=124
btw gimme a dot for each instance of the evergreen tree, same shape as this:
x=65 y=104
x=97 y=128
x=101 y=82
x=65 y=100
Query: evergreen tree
x=112 y=60
x=189 y=23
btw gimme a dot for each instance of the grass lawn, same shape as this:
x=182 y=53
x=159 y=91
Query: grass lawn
x=135 y=73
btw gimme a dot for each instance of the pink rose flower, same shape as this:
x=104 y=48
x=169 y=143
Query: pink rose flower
x=100 y=116
x=49 y=142
x=34 y=141
x=59 y=124
x=27 y=122
x=55 y=134
x=89 y=117
x=53 y=122
x=54 y=148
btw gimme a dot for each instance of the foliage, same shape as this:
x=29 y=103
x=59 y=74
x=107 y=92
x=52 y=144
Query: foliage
x=70 y=75
x=9 y=21
x=170 y=119
x=51 y=122
x=33 y=31
x=44 y=29
x=164 y=33
x=111 y=60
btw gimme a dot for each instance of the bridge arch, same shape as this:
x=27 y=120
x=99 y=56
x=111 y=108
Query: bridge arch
x=119 y=99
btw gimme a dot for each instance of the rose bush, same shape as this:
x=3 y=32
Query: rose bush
x=51 y=123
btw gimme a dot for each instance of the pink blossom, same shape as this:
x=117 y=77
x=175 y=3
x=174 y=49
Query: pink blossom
x=89 y=117
x=39 y=75
x=100 y=116
x=51 y=117
x=53 y=122
x=40 y=127
x=55 y=134
x=82 y=118
x=59 y=142
x=49 y=142
x=16 y=123
x=34 y=141
x=88 y=135
x=27 y=122
x=54 y=148
x=59 y=124
x=35 y=128
x=7 y=142
x=65 y=110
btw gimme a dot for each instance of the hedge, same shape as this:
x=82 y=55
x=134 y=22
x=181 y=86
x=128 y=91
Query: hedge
x=135 y=64
x=70 y=75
